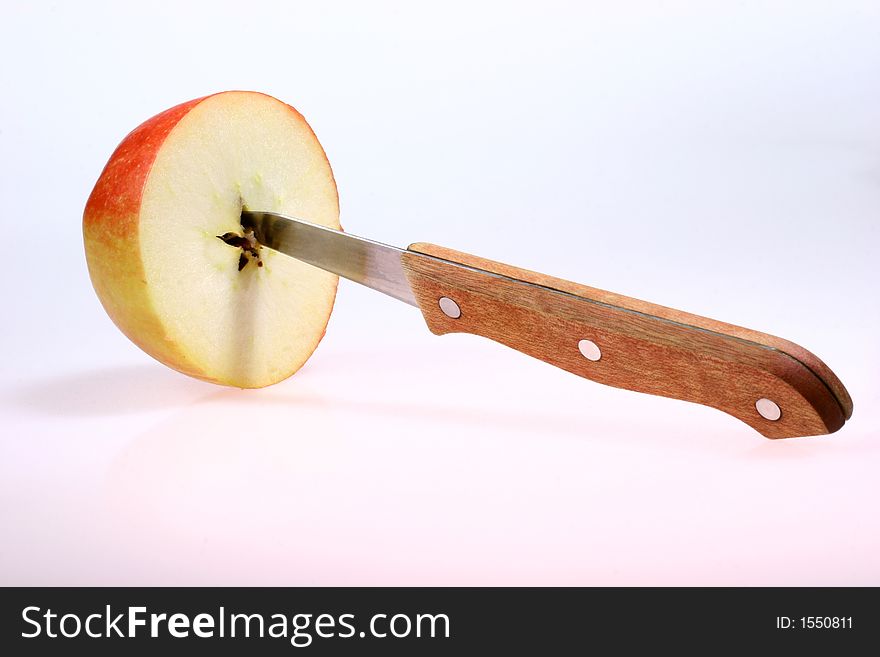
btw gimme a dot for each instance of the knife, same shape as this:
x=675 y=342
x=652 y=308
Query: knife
x=775 y=386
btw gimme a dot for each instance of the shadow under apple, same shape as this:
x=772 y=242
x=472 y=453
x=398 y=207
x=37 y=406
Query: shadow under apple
x=109 y=392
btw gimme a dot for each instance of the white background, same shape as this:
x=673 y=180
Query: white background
x=721 y=158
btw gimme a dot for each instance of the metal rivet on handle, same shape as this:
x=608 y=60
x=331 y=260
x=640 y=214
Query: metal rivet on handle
x=450 y=308
x=590 y=350
x=768 y=409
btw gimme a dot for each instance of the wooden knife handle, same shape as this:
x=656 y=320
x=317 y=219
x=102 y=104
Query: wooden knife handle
x=640 y=346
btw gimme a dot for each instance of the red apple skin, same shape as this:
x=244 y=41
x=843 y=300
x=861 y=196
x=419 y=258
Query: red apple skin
x=111 y=240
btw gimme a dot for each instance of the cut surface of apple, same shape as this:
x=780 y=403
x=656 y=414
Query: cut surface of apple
x=170 y=261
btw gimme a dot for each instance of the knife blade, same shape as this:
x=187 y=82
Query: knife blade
x=376 y=265
x=777 y=387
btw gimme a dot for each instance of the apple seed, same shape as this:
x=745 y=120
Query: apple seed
x=250 y=247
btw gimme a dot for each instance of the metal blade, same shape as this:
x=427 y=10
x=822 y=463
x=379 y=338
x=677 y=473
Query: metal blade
x=363 y=261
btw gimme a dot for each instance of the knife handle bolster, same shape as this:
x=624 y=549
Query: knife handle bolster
x=631 y=344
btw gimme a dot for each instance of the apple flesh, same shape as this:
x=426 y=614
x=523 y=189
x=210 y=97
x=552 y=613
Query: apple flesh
x=167 y=253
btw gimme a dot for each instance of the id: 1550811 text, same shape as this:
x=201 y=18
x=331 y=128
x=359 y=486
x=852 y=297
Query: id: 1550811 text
x=814 y=623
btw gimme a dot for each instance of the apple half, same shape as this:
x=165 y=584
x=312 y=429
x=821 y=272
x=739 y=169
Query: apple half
x=167 y=253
